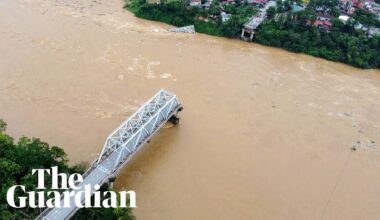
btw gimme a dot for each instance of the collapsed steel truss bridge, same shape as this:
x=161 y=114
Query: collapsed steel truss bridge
x=122 y=144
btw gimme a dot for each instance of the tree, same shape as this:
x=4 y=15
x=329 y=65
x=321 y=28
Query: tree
x=104 y=213
x=366 y=18
x=280 y=6
x=230 y=9
x=232 y=27
x=214 y=8
x=3 y=125
x=16 y=163
x=271 y=12
x=288 y=5
x=342 y=43
x=306 y=16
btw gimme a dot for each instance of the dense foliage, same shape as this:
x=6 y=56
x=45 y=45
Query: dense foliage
x=104 y=214
x=16 y=163
x=343 y=43
x=207 y=21
x=366 y=18
x=283 y=6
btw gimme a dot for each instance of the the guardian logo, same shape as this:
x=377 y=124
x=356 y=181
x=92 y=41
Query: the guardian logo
x=81 y=193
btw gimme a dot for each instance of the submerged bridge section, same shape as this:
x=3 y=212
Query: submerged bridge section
x=121 y=145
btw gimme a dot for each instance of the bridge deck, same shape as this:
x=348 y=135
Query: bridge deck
x=256 y=20
x=120 y=147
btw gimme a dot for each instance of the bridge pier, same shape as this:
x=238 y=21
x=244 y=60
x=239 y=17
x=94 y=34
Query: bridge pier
x=245 y=31
x=108 y=185
x=174 y=119
x=111 y=181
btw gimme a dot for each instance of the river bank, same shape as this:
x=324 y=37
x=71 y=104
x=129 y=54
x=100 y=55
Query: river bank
x=290 y=30
x=264 y=134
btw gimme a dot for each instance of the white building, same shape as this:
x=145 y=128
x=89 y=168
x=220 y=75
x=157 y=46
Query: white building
x=344 y=18
x=225 y=16
x=195 y=3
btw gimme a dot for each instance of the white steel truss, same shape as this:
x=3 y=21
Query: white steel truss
x=121 y=145
x=126 y=139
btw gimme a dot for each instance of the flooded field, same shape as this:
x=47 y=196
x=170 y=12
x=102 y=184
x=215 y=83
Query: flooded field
x=265 y=134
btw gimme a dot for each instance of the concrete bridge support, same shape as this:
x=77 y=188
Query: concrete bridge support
x=247 y=34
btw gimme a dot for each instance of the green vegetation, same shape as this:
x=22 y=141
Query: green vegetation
x=16 y=163
x=271 y=12
x=342 y=43
x=283 y=6
x=104 y=214
x=208 y=21
x=366 y=18
x=3 y=125
x=284 y=28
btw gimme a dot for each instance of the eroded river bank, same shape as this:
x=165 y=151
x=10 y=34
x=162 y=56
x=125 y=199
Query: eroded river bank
x=265 y=134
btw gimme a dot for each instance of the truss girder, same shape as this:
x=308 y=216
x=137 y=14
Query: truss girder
x=139 y=127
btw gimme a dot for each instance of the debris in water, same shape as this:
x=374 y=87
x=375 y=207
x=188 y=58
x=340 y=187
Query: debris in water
x=371 y=144
x=273 y=104
x=355 y=146
x=187 y=29
x=347 y=114
x=255 y=84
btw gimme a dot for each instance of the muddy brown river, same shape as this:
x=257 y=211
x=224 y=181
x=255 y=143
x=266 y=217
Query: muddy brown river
x=265 y=134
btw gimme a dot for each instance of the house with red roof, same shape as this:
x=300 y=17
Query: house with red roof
x=357 y=4
x=325 y=25
x=321 y=24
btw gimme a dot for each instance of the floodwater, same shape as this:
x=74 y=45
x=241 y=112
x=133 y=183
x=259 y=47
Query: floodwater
x=265 y=134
